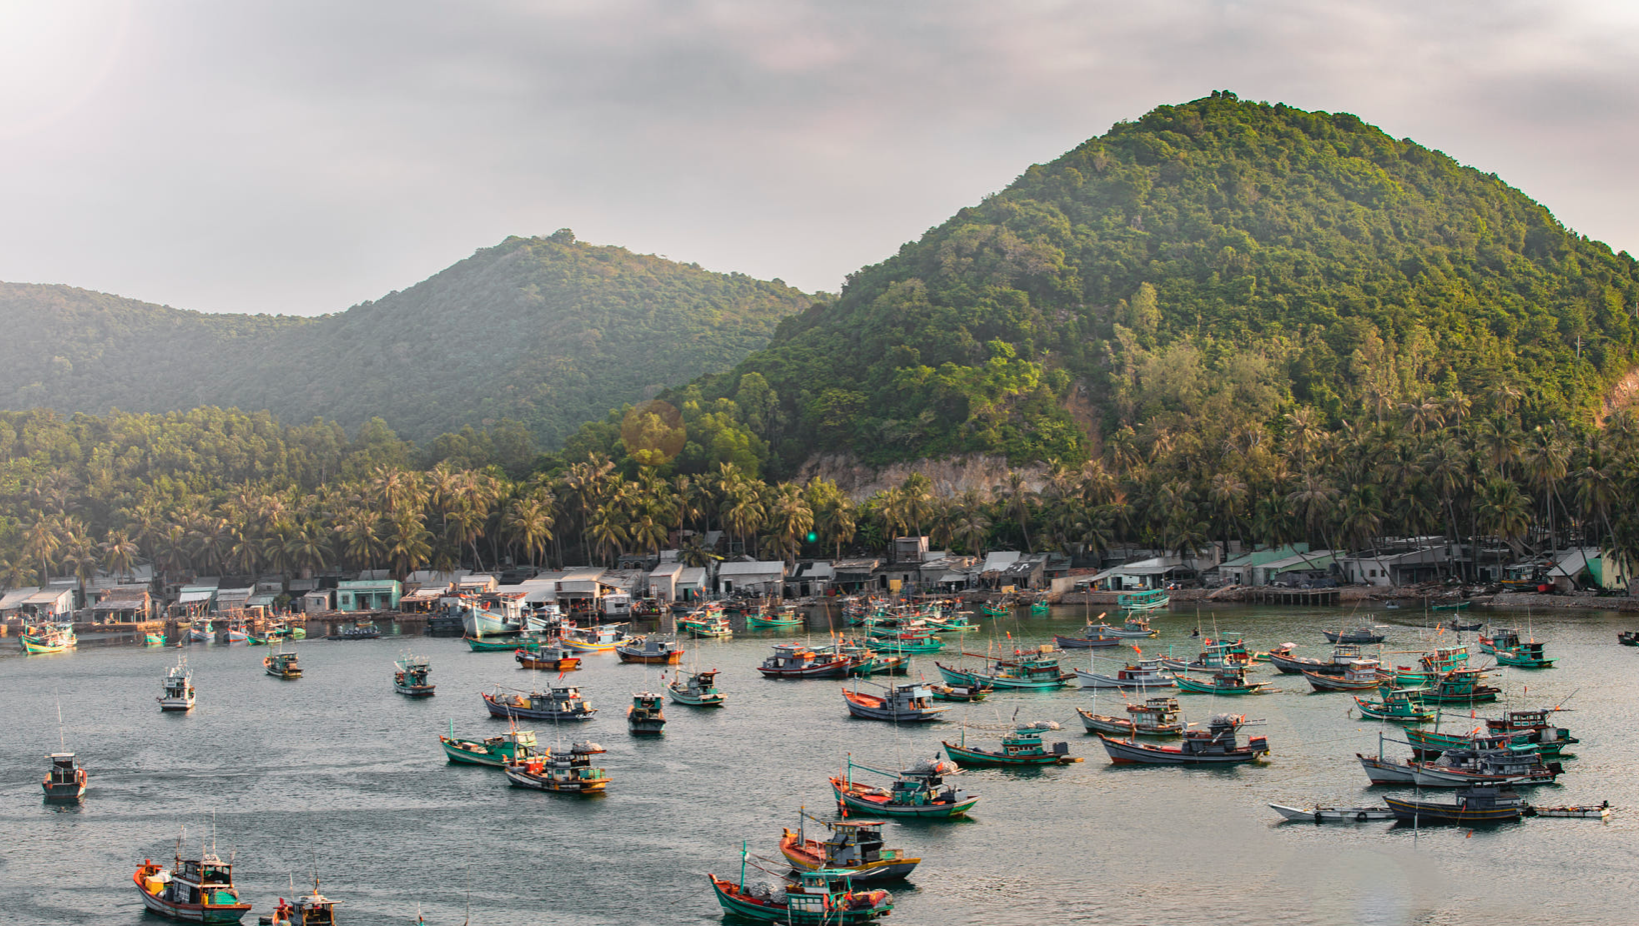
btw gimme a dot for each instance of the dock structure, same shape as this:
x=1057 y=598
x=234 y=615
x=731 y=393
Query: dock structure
x=1302 y=597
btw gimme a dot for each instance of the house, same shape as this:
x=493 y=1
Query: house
x=232 y=599
x=477 y=584
x=763 y=577
x=262 y=599
x=854 y=575
x=996 y=563
x=691 y=583
x=11 y=603
x=1154 y=572
x=1237 y=570
x=663 y=581
x=194 y=600
x=315 y=601
x=908 y=549
x=1574 y=568
x=811 y=580
x=422 y=600
x=1026 y=572
x=1295 y=569
x=1400 y=565
x=368 y=595
x=950 y=573
x=54 y=602
x=122 y=604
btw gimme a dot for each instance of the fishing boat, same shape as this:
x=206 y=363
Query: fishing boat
x=999 y=608
x=558 y=703
x=547 y=620
x=1365 y=633
x=1430 y=668
x=1036 y=669
x=65 y=781
x=1229 y=652
x=869 y=662
x=153 y=639
x=786 y=618
x=1598 y=812
x=1324 y=814
x=176 y=689
x=1040 y=605
x=552 y=657
x=313 y=909
x=487 y=614
x=968 y=693
x=198 y=890
x=854 y=846
x=1093 y=636
x=500 y=643
x=1527 y=655
x=282 y=664
x=822 y=898
x=1343 y=656
x=236 y=633
x=1401 y=705
x=654 y=650
x=1502 y=638
x=1153 y=600
x=561 y=771
x=1473 y=806
x=1459 y=626
x=918 y=791
x=1283 y=650
x=515 y=745
x=1460 y=686
x=1021 y=747
x=1360 y=675
x=910 y=703
x=794 y=660
x=959 y=622
x=1628 y=638
x=711 y=624
x=1217 y=745
x=45 y=638
x=1490 y=761
x=696 y=689
x=201 y=634
x=645 y=717
x=1549 y=738
x=410 y=676
x=1451 y=606
x=601 y=639
x=363 y=630
x=1155 y=717
x=1230 y=680
x=1145 y=673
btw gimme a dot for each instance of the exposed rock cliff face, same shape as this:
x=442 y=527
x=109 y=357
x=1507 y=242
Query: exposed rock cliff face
x=950 y=476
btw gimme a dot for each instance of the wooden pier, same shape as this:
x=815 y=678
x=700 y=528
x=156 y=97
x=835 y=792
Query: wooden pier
x=1302 y=597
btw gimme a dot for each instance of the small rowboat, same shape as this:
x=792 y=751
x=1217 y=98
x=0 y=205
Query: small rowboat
x=1333 y=814
x=959 y=692
x=1602 y=812
x=1453 y=606
x=1628 y=638
x=787 y=620
x=495 y=644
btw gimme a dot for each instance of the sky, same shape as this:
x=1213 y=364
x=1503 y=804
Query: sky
x=300 y=157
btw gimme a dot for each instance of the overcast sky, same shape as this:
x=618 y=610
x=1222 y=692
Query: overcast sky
x=300 y=157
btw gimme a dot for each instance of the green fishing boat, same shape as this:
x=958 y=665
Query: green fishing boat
x=153 y=639
x=1036 y=669
x=996 y=608
x=1455 y=606
x=824 y=897
x=1527 y=655
x=786 y=618
x=1400 y=705
x=956 y=623
x=1039 y=606
x=917 y=792
x=504 y=644
x=1021 y=748
x=1153 y=600
x=45 y=639
x=1230 y=680
x=912 y=646
x=1460 y=686
x=494 y=751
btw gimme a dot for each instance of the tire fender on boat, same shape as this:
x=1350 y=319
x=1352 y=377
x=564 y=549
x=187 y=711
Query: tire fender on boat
x=1360 y=817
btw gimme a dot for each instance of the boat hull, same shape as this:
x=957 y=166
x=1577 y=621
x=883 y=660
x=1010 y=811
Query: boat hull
x=1333 y=814
x=1086 y=642
x=415 y=691
x=1327 y=682
x=508 y=711
x=750 y=908
x=1422 y=813
x=655 y=659
x=1127 y=752
x=1093 y=680
x=190 y=912
x=882 y=870
x=858 y=800
x=1385 y=772
x=967 y=757
x=522 y=779
x=860 y=706
x=1123 y=727
x=176 y=705
x=836 y=669
x=1187 y=684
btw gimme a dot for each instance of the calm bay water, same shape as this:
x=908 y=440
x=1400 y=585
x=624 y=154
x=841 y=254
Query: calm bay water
x=339 y=769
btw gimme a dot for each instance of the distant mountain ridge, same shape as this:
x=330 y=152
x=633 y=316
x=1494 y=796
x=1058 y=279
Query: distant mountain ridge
x=550 y=332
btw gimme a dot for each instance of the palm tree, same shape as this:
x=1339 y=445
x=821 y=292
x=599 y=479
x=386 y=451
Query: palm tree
x=409 y=543
x=1020 y=504
x=916 y=495
x=307 y=548
x=791 y=518
x=529 y=522
x=1312 y=500
x=119 y=553
x=360 y=538
x=42 y=541
x=1504 y=511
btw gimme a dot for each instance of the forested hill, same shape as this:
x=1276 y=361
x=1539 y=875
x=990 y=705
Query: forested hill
x=1210 y=265
x=550 y=332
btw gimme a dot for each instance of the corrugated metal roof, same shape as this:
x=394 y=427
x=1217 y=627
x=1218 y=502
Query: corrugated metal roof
x=15 y=598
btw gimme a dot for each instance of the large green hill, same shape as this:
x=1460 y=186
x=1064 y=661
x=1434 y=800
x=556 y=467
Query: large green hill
x=1211 y=263
x=546 y=331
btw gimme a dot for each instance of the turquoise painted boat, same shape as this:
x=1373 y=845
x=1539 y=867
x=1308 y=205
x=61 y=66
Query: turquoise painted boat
x=1040 y=606
x=824 y=897
x=515 y=745
x=913 y=646
x=1027 y=669
x=153 y=639
x=1153 y=600
x=1401 y=705
x=786 y=618
x=1528 y=655
x=917 y=792
x=506 y=644
x=1230 y=680
x=1022 y=747
x=996 y=608
x=42 y=639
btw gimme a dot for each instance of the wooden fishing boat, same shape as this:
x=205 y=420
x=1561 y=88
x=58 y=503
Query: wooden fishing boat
x=1283 y=651
x=558 y=703
x=601 y=639
x=958 y=622
x=410 y=676
x=1361 y=675
x=1599 y=812
x=1501 y=638
x=869 y=662
x=1145 y=673
x=282 y=664
x=1040 y=606
x=854 y=846
x=1460 y=686
x=1229 y=652
x=499 y=643
x=515 y=745
x=312 y=909
x=794 y=660
x=1459 y=626
x=153 y=639
x=197 y=890
x=644 y=717
x=1324 y=814
x=1153 y=600
x=1344 y=655
x=1003 y=608
x=1452 y=606
x=1155 y=717
x=1430 y=668
x=1628 y=638
x=1473 y=807
x=1365 y=633
x=653 y=649
x=1021 y=747
x=44 y=639
x=918 y=791
x=561 y=772
x=786 y=618
x=363 y=630
x=1490 y=761
x=1092 y=637
x=909 y=642
x=1527 y=655
x=1382 y=770
x=1036 y=669
x=959 y=692
x=201 y=633
x=1549 y=738
x=176 y=689
x=1216 y=745
x=551 y=657
x=820 y=898
x=236 y=633
x=910 y=703
x=696 y=689
x=1227 y=681
x=1401 y=705
x=65 y=781
x=713 y=625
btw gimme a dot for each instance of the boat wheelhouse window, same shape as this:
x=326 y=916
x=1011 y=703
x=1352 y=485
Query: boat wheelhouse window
x=217 y=874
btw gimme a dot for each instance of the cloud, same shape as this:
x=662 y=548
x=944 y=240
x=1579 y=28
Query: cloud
x=299 y=157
